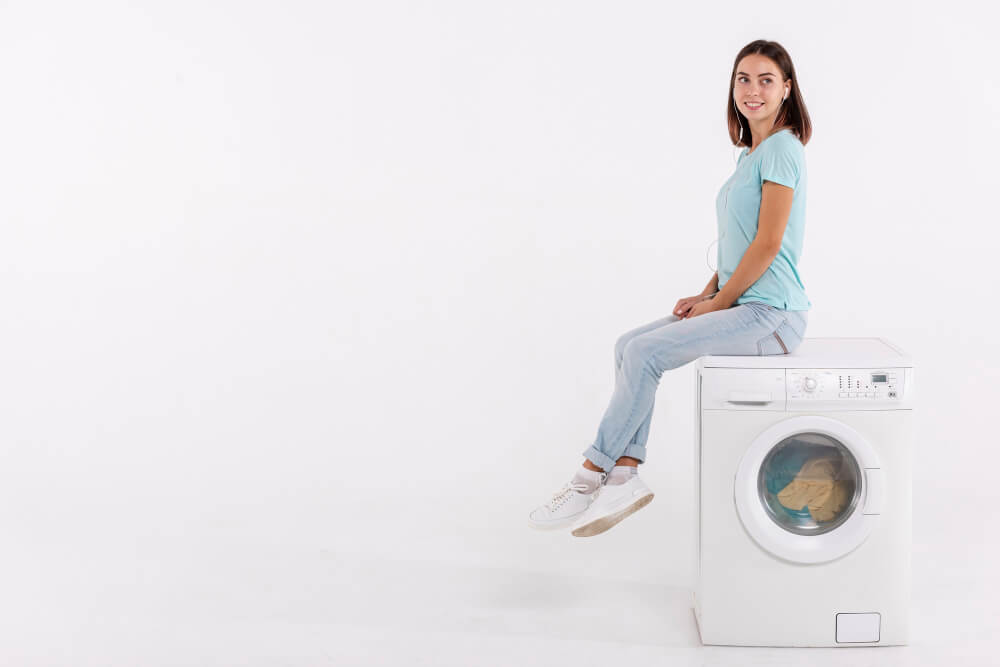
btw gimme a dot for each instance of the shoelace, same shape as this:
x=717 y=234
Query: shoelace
x=560 y=496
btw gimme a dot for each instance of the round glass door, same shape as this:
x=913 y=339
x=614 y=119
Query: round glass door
x=809 y=483
x=808 y=489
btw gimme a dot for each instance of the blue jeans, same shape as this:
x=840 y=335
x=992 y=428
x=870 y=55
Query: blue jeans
x=643 y=354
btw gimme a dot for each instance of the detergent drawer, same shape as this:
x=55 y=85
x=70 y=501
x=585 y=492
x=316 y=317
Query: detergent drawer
x=742 y=389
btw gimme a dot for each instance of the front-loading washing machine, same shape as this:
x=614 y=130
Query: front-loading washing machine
x=803 y=496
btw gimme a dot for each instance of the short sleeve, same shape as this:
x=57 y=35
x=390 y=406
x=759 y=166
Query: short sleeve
x=781 y=164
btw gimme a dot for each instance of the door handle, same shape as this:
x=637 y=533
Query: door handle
x=875 y=497
x=748 y=397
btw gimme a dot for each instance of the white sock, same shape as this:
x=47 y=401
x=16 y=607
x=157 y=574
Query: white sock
x=622 y=474
x=592 y=479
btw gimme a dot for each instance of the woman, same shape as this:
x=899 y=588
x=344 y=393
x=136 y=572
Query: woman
x=755 y=304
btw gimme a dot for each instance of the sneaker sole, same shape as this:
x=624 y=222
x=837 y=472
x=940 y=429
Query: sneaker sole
x=598 y=526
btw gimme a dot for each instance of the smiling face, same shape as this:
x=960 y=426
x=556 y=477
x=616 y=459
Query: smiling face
x=758 y=88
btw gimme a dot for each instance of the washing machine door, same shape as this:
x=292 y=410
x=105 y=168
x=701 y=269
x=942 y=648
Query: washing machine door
x=809 y=489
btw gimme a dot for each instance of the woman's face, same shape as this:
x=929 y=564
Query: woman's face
x=758 y=88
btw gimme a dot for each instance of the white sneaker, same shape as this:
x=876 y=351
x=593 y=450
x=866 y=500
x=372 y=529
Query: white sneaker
x=566 y=505
x=614 y=504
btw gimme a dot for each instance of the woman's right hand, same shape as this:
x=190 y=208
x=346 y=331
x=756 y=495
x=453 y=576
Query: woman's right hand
x=685 y=305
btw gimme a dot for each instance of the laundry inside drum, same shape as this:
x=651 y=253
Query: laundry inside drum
x=809 y=483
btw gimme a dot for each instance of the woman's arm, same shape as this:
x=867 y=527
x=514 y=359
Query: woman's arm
x=713 y=285
x=775 y=207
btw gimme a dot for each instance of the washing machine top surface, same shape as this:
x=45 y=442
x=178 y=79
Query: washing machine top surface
x=822 y=353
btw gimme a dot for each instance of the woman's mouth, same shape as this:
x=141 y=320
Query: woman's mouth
x=753 y=106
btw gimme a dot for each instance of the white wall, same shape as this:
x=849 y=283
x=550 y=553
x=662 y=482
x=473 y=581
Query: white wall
x=349 y=276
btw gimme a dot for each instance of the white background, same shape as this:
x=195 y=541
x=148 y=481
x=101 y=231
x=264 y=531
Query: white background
x=307 y=289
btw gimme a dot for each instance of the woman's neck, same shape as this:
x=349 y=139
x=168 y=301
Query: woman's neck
x=757 y=136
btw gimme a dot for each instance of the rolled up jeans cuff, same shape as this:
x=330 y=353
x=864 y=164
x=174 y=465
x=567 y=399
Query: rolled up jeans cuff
x=636 y=452
x=599 y=458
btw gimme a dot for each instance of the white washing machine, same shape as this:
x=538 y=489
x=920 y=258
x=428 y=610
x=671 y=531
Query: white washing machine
x=803 y=469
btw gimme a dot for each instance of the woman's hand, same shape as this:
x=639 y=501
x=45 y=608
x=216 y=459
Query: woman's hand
x=684 y=306
x=702 y=307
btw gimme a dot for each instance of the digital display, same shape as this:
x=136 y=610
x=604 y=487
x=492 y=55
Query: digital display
x=878 y=378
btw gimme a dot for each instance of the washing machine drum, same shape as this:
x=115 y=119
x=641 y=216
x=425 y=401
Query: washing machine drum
x=809 y=483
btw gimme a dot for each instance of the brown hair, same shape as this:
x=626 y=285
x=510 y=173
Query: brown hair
x=793 y=114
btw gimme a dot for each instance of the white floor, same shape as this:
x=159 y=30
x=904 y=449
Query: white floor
x=209 y=597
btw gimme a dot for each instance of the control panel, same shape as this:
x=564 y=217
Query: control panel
x=805 y=389
x=845 y=385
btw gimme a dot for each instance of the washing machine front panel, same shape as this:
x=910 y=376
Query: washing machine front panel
x=761 y=584
x=808 y=489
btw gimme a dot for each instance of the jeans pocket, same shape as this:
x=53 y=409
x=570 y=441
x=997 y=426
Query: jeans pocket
x=784 y=340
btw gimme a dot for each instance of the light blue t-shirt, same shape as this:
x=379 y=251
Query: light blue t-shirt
x=779 y=158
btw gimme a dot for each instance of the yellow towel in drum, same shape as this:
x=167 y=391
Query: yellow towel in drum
x=816 y=486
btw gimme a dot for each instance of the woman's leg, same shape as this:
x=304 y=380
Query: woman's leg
x=636 y=448
x=635 y=453
x=646 y=356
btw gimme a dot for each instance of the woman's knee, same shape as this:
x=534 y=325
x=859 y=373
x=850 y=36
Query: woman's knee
x=638 y=350
x=620 y=345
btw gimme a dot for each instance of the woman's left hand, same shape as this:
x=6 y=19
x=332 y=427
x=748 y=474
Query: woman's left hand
x=706 y=306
